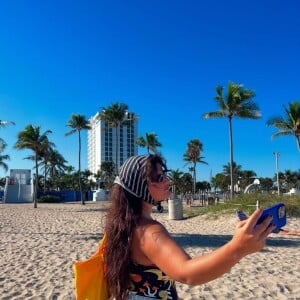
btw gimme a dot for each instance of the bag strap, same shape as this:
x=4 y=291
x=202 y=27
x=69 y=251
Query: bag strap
x=103 y=241
x=102 y=245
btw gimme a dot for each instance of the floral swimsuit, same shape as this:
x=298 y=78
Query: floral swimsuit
x=151 y=282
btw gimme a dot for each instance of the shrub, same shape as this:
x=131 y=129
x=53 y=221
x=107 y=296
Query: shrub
x=247 y=203
x=49 y=199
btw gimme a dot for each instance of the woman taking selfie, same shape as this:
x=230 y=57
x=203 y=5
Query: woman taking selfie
x=143 y=260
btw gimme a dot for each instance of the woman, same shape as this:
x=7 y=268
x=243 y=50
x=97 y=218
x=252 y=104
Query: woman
x=143 y=260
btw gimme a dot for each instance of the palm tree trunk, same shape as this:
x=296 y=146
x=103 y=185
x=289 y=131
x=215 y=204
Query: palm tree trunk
x=45 y=175
x=79 y=168
x=231 y=158
x=36 y=183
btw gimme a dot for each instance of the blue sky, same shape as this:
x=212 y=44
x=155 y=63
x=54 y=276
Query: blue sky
x=163 y=59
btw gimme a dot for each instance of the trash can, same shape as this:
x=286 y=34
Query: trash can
x=175 y=209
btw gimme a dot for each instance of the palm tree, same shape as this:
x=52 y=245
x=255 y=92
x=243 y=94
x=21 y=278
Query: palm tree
x=115 y=115
x=43 y=158
x=3 y=157
x=186 y=183
x=150 y=142
x=220 y=182
x=5 y=123
x=175 y=178
x=55 y=167
x=56 y=162
x=47 y=150
x=107 y=169
x=266 y=183
x=191 y=170
x=246 y=178
x=87 y=181
x=290 y=125
x=78 y=123
x=236 y=171
x=193 y=156
x=290 y=179
x=98 y=177
x=32 y=139
x=236 y=103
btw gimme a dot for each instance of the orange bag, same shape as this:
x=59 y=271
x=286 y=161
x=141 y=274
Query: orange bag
x=90 y=282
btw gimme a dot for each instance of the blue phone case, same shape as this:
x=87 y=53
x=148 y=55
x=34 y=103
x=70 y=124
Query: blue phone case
x=278 y=212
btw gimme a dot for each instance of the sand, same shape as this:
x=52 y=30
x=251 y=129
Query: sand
x=39 y=246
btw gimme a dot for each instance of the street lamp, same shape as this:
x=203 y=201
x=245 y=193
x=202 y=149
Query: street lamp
x=277 y=154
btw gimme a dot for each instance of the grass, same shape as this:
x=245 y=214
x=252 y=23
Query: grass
x=247 y=203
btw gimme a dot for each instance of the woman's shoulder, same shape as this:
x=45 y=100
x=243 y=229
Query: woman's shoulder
x=144 y=238
x=148 y=225
x=149 y=229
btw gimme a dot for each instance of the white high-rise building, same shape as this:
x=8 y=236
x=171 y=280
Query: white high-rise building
x=102 y=141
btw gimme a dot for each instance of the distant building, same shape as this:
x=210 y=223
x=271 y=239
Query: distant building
x=20 y=176
x=102 y=142
x=18 y=186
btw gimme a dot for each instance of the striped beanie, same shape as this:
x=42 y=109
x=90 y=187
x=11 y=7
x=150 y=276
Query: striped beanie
x=133 y=177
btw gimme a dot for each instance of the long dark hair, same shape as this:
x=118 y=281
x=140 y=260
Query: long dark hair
x=122 y=218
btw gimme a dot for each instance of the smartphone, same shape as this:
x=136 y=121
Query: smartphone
x=278 y=212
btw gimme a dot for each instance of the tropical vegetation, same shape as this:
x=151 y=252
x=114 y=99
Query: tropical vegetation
x=77 y=123
x=245 y=202
x=58 y=176
x=150 y=141
x=288 y=125
x=3 y=145
x=237 y=102
x=193 y=156
x=6 y=123
x=31 y=138
x=3 y=157
x=114 y=116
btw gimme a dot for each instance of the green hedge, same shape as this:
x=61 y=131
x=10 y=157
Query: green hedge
x=49 y=199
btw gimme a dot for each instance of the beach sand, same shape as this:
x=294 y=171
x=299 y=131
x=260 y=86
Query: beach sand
x=39 y=246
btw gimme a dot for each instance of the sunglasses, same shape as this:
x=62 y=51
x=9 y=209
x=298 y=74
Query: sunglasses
x=160 y=177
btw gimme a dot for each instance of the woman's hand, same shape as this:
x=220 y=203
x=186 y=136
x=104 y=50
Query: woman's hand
x=249 y=237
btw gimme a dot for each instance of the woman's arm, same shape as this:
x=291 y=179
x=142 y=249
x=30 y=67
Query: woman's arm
x=161 y=249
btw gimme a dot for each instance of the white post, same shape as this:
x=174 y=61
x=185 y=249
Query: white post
x=6 y=189
x=257 y=204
